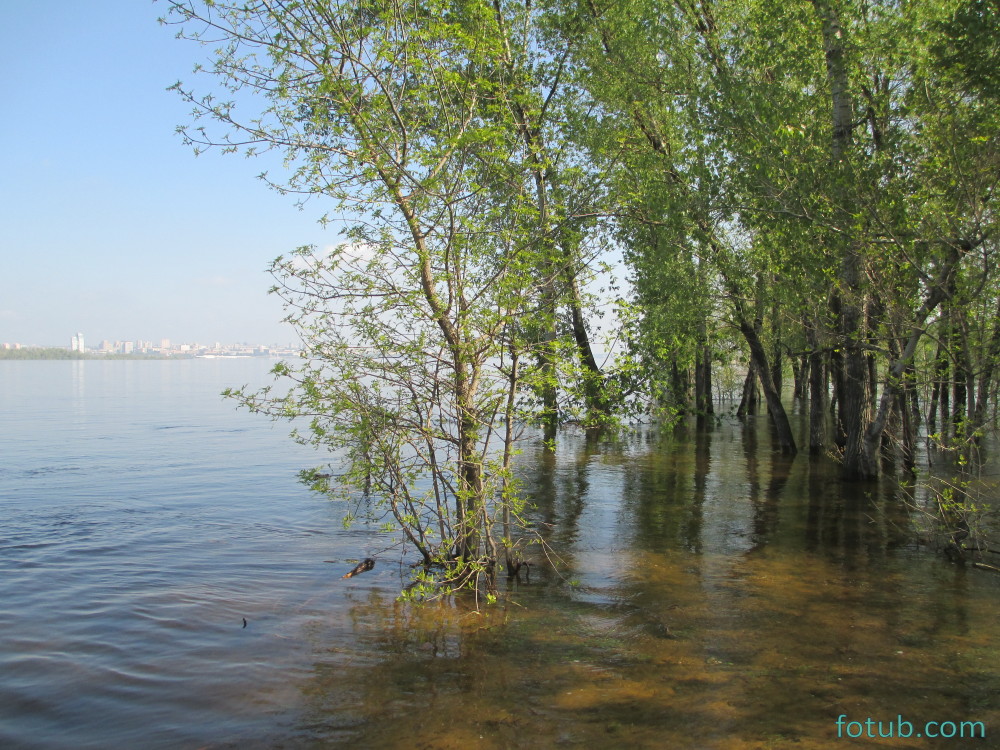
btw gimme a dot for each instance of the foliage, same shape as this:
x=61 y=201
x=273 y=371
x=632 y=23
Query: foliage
x=813 y=179
x=420 y=330
x=34 y=352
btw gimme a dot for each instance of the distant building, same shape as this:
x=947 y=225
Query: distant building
x=76 y=343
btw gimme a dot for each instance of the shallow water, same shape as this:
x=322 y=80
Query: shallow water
x=710 y=594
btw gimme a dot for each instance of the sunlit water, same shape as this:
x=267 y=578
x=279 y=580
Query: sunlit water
x=710 y=594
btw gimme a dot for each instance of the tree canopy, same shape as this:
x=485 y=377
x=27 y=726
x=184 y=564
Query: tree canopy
x=804 y=187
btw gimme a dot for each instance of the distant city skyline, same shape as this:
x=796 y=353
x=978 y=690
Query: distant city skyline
x=112 y=227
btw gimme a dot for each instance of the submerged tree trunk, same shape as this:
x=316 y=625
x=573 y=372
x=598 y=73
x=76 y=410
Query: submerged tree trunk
x=960 y=370
x=836 y=370
x=817 y=393
x=800 y=377
x=678 y=387
x=548 y=390
x=853 y=394
x=786 y=439
x=939 y=387
x=777 y=365
x=750 y=399
x=990 y=361
x=909 y=417
x=595 y=387
x=703 y=381
x=937 y=292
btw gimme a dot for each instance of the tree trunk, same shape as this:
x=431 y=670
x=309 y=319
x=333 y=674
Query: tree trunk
x=836 y=366
x=800 y=377
x=817 y=393
x=939 y=385
x=595 y=388
x=751 y=395
x=777 y=367
x=986 y=368
x=908 y=439
x=853 y=395
x=937 y=292
x=469 y=498
x=960 y=370
x=678 y=388
x=856 y=413
x=786 y=440
x=703 y=381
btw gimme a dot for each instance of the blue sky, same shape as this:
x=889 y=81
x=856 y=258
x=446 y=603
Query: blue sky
x=109 y=225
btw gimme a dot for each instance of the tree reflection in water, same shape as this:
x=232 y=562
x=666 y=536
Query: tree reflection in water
x=721 y=596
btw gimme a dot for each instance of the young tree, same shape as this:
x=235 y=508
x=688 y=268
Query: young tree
x=415 y=327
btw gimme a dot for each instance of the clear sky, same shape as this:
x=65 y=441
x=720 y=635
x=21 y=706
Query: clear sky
x=109 y=225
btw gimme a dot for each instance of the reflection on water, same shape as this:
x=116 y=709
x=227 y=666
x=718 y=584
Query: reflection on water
x=711 y=593
x=723 y=597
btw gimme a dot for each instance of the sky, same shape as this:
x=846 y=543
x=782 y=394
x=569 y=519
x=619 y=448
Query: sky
x=109 y=225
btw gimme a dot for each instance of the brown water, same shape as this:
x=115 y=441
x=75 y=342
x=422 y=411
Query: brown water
x=723 y=597
x=709 y=594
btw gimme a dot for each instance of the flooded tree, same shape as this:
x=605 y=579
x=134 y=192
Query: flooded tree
x=420 y=329
x=809 y=183
x=829 y=170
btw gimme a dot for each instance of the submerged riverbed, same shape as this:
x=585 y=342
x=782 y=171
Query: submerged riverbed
x=709 y=592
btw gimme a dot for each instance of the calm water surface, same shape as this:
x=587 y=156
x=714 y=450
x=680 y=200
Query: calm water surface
x=710 y=594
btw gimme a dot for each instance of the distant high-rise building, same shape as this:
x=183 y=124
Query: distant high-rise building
x=164 y=343
x=76 y=343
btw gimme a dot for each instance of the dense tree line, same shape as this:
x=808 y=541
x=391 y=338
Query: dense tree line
x=55 y=352
x=803 y=188
x=39 y=352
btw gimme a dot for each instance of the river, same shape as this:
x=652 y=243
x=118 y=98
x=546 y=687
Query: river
x=165 y=582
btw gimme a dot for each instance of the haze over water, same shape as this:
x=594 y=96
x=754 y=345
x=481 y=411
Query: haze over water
x=712 y=595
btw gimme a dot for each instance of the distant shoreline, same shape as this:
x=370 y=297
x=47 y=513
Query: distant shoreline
x=55 y=353
x=27 y=353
